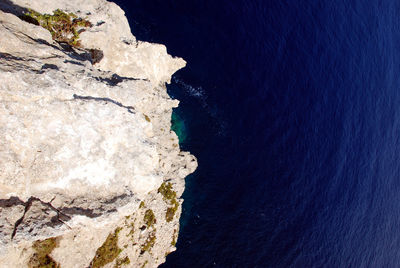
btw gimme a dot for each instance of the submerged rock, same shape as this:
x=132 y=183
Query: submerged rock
x=85 y=142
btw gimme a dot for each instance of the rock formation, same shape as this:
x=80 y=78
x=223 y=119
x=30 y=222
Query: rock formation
x=91 y=173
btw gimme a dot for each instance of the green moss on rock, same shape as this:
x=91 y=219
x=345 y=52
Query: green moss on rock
x=166 y=191
x=169 y=216
x=41 y=258
x=169 y=195
x=132 y=229
x=108 y=252
x=149 y=218
x=173 y=242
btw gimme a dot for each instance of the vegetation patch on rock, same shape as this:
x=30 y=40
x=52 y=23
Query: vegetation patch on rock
x=169 y=216
x=169 y=195
x=122 y=262
x=173 y=242
x=131 y=226
x=149 y=218
x=149 y=243
x=41 y=257
x=63 y=27
x=147 y=118
x=166 y=191
x=144 y=264
x=108 y=252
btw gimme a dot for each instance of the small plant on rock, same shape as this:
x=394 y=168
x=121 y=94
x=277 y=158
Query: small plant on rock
x=63 y=27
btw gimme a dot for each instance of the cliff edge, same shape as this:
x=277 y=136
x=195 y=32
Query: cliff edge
x=91 y=173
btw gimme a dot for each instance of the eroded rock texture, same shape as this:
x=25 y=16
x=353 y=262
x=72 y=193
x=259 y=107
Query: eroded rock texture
x=85 y=145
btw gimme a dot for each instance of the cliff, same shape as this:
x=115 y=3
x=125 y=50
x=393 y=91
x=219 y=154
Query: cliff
x=91 y=174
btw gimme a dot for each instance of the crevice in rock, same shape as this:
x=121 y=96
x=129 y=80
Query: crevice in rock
x=62 y=214
x=19 y=64
x=19 y=221
x=7 y=56
x=50 y=66
x=74 y=62
x=41 y=41
x=12 y=201
x=9 y=7
x=15 y=66
x=80 y=211
x=130 y=109
x=116 y=198
x=106 y=206
x=61 y=217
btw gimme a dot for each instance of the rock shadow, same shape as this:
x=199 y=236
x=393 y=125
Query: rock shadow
x=8 y=6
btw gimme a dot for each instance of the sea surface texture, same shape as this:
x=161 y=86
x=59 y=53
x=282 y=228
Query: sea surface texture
x=293 y=110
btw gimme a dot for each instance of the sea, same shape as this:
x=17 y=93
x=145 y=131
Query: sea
x=292 y=109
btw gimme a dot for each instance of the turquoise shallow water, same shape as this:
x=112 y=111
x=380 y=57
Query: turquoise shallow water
x=178 y=126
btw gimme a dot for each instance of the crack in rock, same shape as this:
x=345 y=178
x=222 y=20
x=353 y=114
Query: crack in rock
x=61 y=217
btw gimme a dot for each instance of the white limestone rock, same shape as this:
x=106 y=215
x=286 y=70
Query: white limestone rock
x=82 y=145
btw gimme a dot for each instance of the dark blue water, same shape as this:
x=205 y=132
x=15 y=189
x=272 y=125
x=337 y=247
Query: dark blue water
x=293 y=110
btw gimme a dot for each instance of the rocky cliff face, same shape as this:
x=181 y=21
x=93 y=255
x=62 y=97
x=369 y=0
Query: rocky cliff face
x=91 y=173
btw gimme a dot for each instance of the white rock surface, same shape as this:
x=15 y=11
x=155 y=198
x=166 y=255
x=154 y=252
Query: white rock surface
x=82 y=145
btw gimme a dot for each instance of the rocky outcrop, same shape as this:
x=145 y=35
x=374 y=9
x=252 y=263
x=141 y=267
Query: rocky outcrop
x=91 y=173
